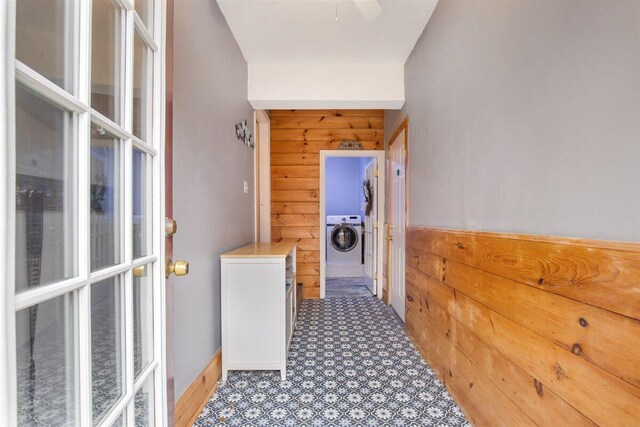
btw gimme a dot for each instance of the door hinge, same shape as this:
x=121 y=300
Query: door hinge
x=375 y=276
x=375 y=225
x=375 y=173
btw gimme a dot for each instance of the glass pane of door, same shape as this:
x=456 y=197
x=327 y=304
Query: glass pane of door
x=141 y=204
x=106 y=198
x=45 y=341
x=105 y=59
x=144 y=8
x=142 y=318
x=143 y=404
x=46 y=191
x=107 y=370
x=44 y=39
x=141 y=88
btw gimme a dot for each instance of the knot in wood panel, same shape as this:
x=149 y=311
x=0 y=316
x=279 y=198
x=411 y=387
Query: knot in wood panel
x=538 y=385
x=576 y=349
x=559 y=371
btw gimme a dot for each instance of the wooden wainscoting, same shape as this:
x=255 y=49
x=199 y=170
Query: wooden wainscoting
x=528 y=330
x=196 y=396
x=297 y=136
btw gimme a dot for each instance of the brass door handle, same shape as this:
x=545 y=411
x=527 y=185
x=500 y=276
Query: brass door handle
x=390 y=238
x=179 y=268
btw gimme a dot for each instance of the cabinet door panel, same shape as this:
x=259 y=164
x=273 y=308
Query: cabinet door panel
x=254 y=313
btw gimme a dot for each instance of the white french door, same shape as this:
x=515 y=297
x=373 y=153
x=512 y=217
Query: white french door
x=398 y=224
x=83 y=199
x=370 y=227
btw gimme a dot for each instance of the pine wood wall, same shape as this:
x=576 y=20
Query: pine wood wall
x=297 y=136
x=527 y=330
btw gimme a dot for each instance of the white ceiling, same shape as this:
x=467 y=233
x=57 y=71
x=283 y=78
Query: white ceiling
x=305 y=31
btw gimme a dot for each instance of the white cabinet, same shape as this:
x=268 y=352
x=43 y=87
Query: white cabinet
x=258 y=306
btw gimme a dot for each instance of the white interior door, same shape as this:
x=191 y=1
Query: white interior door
x=397 y=225
x=370 y=221
x=83 y=156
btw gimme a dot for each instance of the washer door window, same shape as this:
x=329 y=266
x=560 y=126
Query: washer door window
x=344 y=237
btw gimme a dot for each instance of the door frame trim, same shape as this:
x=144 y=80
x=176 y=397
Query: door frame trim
x=381 y=198
x=262 y=175
x=403 y=126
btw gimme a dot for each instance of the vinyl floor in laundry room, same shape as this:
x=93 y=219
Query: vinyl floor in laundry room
x=350 y=364
x=347 y=287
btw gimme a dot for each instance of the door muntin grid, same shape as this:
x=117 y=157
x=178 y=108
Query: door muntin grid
x=64 y=131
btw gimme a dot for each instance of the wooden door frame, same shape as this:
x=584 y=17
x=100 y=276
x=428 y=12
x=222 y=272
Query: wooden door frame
x=262 y=175
x=404 y=126
x=380 y=155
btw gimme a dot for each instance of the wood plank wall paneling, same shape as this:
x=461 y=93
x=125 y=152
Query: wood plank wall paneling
x=527 y=329
x=297 y=136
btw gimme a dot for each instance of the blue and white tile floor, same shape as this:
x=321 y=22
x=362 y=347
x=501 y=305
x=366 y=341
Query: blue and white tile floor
x=350 y=364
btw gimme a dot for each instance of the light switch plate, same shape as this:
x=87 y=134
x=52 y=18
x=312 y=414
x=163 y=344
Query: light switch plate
x=246 y=187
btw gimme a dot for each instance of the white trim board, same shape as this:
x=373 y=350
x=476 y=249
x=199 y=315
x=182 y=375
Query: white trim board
x=8 y=395
x=262 y=175
x=380 y=156
x=321 y=86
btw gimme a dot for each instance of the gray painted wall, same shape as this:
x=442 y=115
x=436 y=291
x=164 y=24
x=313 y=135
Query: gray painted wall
x=210 y=164
x=343 y=186
x=524 y=117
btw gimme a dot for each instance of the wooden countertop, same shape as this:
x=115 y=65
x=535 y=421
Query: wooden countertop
x=262 y=250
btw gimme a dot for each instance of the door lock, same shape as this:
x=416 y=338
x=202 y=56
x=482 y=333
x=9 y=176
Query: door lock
x=170 y=227
x=179 y=268
x=139 y=271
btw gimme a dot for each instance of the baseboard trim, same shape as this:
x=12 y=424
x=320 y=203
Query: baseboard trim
x=195 y=397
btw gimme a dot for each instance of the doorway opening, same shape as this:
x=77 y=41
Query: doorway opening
x=351 y=217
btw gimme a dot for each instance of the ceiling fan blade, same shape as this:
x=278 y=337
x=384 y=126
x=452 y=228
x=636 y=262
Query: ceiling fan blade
x=370 y=9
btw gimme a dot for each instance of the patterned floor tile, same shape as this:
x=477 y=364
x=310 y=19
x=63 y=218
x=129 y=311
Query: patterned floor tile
x=350 y=364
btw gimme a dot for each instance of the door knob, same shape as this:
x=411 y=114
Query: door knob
x=390 y=238
x=179 y=268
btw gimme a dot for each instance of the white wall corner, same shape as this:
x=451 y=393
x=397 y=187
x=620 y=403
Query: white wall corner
x=327 y=85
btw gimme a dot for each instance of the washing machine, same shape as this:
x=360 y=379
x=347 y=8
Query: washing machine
x=344 y=246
